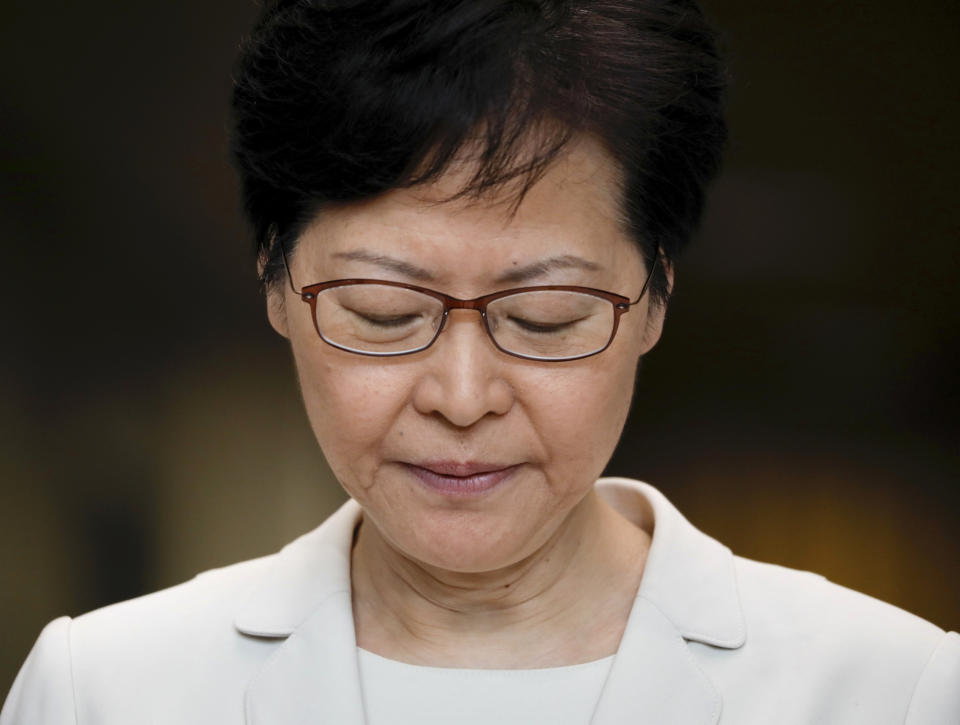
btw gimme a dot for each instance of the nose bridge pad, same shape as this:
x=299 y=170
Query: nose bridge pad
x=443 y=322
x=482 y=321
x=482 y=315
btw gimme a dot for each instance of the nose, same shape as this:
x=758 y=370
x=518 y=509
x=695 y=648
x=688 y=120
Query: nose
x=464 y=374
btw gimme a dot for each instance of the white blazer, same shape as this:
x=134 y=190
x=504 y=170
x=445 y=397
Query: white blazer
x=712 y=638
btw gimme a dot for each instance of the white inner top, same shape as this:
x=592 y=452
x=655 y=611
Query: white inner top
x=396 y=693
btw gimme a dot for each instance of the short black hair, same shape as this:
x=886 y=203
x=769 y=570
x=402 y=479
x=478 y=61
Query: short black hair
x=341 y=100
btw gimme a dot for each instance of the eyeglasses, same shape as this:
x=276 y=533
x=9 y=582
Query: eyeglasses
x=552 y=323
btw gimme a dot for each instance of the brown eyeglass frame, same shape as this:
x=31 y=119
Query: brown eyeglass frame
x=620 y=304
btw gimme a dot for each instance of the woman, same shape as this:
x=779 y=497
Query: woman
x=468 y=215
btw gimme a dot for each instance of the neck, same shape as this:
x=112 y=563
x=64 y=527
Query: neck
x=565 y=603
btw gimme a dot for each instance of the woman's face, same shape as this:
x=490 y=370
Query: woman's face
x=389 y=426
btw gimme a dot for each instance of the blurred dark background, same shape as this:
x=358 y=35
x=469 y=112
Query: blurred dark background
x=802 y=405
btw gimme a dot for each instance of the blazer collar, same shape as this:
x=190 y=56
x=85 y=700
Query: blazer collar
x=689 y=576
x=302 y=575
x=688 y=592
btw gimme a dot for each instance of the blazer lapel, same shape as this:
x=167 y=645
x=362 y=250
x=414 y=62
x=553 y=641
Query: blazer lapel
x=304 y=600
x=654 y=678
x=314 y=676
x=688 y=593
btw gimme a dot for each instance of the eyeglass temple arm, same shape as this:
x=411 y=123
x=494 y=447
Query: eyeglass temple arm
x=286 y=266
x=646 y=282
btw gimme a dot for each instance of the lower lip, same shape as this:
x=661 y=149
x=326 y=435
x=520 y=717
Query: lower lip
x=464 y=486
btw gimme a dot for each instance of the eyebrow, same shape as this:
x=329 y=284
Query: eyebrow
x=389 y=263
x=513 y=276
x=537 y=269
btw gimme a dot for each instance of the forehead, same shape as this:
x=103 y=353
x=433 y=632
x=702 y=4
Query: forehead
x=573 y=209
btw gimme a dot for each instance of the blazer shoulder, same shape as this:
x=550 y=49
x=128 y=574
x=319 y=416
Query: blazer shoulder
x=113 y=663
x=206 y=602
x=43 y=693
x=776 y=596
x=852 y=652
x=825 y=621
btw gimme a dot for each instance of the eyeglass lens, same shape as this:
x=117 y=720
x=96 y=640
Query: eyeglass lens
x=387 y=320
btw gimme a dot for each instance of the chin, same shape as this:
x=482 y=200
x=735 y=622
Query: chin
x=450 y=545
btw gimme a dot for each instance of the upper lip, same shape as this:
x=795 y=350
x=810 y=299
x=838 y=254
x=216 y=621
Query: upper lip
x=461 y=469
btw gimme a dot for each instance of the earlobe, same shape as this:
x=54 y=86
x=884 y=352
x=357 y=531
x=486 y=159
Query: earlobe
x=277 y=312
x=668 y=271
x=653 y=327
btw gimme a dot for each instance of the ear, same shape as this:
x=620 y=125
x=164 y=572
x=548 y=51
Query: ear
x=656 y=314
x=277 y=309
x=276 y=303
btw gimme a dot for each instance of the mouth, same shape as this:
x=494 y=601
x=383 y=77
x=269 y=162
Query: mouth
x=461 y=479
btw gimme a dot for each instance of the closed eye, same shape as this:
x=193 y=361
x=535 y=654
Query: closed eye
x=386 y=321
x=543 y=327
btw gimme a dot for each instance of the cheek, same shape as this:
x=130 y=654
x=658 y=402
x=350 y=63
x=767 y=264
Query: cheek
x=581 y=414
x=351 y=406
